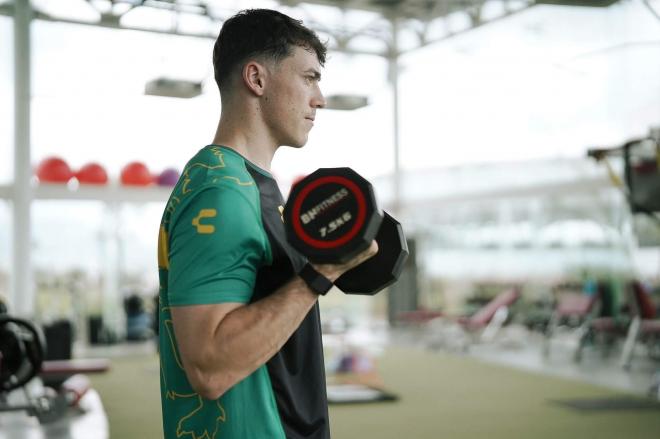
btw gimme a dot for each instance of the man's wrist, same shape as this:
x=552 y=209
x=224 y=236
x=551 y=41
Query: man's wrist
x=316 y=282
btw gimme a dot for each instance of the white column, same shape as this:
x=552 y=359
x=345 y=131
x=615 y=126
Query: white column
x=112 y=312
x=21 y=296
x=393 y=58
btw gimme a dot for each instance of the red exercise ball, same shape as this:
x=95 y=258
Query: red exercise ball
x=54 y=170
x=92 y=173
x=136 y=174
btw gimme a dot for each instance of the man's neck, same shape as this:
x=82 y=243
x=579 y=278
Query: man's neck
x=249 y=143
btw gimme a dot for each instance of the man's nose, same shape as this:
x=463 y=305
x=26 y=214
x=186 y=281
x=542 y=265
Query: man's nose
x=319 y=100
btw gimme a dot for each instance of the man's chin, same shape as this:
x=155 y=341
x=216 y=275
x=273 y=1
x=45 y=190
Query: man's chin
x=296 y=144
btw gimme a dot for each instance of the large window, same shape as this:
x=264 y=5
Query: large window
x=89 y=102
x=5 y=249
x=6 y=103
x=89 y=105
x=552 y=81
x=6 y=150
x=138 y=237
x=69 y=257
x=89 y=255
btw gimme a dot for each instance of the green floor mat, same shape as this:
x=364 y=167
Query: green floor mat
x=608 y=403
x=357 y=394
x=440 y=396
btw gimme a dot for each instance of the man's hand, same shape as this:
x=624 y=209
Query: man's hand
x=333 y=271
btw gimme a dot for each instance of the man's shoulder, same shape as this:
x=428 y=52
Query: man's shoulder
x=213 y=175
x=214 y=166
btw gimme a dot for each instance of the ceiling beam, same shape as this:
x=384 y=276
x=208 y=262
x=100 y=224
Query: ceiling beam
x=340 y=39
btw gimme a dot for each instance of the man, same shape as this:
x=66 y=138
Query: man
x=240 y=340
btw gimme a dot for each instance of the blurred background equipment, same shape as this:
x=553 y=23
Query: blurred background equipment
x=168 y=177
x=139 y=321
x=22 y=351
x=173 y=88
x=641 y=159
x=592 y=3
x=92 y=173
x=54 y=170
x=53 y=392
x=640 y=183
x=345 y=102
x=644 y=326
x=136 y=173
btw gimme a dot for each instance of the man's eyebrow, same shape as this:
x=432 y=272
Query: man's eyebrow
x=316 y=73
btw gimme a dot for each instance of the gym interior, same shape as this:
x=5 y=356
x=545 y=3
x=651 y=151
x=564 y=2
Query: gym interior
x=517 y=143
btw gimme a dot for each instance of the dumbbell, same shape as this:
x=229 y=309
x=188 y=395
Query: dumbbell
x=332 y=215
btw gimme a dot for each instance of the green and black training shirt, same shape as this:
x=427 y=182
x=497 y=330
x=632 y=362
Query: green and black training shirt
x=222 y=240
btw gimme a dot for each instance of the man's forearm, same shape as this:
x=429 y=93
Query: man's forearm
x=223 y=344
x=250 y=335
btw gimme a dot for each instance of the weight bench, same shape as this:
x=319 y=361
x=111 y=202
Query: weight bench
x=492 y=315
x=645 y=326
x=574 y=306
x=54 y=372
x=22 y=352
x=604 y=322
x=483 y=325
x=418 y=316
x=592 y=314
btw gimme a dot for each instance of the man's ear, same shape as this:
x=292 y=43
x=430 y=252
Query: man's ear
x=254 y=77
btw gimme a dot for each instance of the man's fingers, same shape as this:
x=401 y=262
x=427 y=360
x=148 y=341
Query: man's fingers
x=332 y=271
x=366 y=254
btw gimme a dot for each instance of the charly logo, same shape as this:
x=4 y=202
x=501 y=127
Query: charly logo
x=204 y=229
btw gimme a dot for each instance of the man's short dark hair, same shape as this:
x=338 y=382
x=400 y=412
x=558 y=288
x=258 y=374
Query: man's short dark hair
x=260 y=33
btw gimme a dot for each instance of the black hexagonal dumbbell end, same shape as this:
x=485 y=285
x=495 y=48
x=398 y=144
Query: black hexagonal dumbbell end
x=331 y=215
x=384 y=268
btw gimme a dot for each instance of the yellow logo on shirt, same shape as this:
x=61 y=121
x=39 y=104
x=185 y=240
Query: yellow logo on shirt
x=204 y=229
